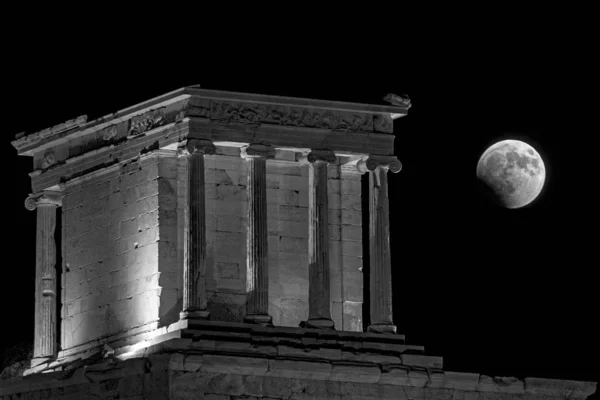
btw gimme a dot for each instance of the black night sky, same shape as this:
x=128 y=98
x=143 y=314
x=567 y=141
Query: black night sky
x=495 y=291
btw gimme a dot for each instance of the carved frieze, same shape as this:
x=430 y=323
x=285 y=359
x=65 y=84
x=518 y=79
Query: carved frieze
x=238 y=112
x=383 y=123
x=110 y=132
x=145 y=122
x=49 y=159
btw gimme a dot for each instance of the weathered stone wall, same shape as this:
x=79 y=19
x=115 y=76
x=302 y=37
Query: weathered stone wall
x=124 y=244
x=137 y=379
x=112 y=251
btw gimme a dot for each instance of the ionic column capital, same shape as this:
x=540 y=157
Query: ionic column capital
x=373 y=162
x=257 y=150
x=197 y=146
x=318 y=155
x=45 y=198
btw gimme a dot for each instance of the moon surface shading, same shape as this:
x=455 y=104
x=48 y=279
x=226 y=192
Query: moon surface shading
x=512 y=173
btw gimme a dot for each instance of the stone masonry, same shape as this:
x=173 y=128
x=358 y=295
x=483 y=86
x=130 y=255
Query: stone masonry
x=212 y=249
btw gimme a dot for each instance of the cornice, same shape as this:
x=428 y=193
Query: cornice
x=222 y=106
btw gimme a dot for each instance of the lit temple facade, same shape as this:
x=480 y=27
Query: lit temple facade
x=212 y=248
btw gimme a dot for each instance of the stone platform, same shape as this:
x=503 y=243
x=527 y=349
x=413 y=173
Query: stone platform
x=226 y=360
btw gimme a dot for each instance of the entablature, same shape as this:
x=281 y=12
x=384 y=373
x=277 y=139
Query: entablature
x=77 y=147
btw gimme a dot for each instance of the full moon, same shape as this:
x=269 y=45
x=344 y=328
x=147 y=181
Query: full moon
x=512 y=172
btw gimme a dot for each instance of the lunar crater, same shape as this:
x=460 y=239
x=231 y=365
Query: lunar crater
x=513 y=171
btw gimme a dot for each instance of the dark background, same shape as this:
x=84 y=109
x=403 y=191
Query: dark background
x=495 y=291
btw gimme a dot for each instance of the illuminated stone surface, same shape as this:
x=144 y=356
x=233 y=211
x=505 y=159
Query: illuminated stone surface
x=139 y=247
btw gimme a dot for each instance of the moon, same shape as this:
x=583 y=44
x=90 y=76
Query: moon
x=512 y=172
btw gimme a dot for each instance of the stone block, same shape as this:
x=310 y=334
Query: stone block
x=299 y=369
x=272 y=227
x=422 y=361
x=333 y=202
x=336 y=314
x=285 y=155
x=131 y=385
x=228 y=270
x=303 y=197
x=218 y=176
x=293 y=262
x=230 y=286
x=352 y=232
x=333 y=187
x=231 y=223
x=461 y=380
x=229 y=239
x=335 y=232
x=128 y=228
x=501 y=384
x=295 y=245
x=353 y=320
x=293 y=229
x=146 y=205
x=418 y=378
x=229 y=207
x=293 y=182
x=273 y=244
x=129 y=195
x=333 y=172
x=288 y=311
x=284 y=168
x=288 y=197
x=210 y=191
x=231 y=192
x=213 y=396
x=149 y=189
x=167 y=168
x=334 y=216
x=292 y=281
x=350 y=202
x=226 y=306
x=233 y=163
x=293 y=213
x=355 y=373
x=561 y=388
x=351 y=217
x=272 y=181
x=396 y=375
x=353 y=285
x=168 y=219
x=234 y=365
x=350 y=186
x=352 y=248
x=348 y=170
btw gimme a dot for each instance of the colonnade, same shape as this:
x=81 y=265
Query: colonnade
x=194 y=270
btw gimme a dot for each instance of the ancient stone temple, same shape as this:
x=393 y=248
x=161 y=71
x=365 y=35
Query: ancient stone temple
x=212 y=249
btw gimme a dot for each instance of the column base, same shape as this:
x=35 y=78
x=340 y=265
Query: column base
x=318 y=323
x=260 y=319
x=194 y=314
x=35 y=361
x=382 y=328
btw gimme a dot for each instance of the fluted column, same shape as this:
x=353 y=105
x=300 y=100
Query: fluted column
x=257 y=272
x=194 y=267
x=319 y=306
x=44 y=344
x=379 y=242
